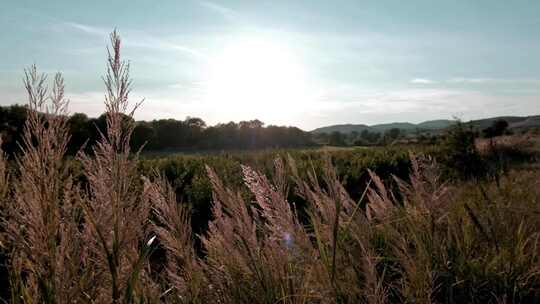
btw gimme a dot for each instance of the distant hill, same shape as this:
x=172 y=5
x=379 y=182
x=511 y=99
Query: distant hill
x=399 y=125
x=345 y=128
x=381 y=128
x=515 y=122
x=530 y=122
x=435 y=124
x=486 y=122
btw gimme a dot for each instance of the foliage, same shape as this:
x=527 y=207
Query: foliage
x=165 y=134
x=336 y=139
x=459 y=153
x=392 y=134
x=498 y=128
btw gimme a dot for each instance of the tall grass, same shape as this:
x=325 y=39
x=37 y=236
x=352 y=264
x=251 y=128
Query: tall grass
x=112 y=235
x=116 y=207
x=77 y=241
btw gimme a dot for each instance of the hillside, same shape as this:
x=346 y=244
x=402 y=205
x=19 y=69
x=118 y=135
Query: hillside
x=484 y=123
x=515 y=122
x=380 y=128
x=344 y=128
x=530 y=122
x=395 y=125
x=435 y=124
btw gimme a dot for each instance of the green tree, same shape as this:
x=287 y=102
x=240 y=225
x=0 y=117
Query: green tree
x=143 y=134
x=336 y=139
x=497 y=128
x=80 y=130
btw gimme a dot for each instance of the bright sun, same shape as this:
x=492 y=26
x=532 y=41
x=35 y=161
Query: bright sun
x=257 y=79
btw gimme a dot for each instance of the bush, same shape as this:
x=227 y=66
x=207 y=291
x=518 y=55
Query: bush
x=498 y=128
x=459 y=154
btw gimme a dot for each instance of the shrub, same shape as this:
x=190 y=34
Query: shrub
x=498 y=128
x=459 y=153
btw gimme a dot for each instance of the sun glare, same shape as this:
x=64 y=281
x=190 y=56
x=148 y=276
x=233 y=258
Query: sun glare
x=257 y=79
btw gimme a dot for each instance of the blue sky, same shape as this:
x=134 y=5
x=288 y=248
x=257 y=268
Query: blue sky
x=304 y=63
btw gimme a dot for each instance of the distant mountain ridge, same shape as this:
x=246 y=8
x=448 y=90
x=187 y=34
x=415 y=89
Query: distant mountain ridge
x=515 y=122
x=380 y=128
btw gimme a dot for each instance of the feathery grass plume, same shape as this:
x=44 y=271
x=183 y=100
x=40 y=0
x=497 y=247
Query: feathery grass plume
x=116 y=207
x=185 y=281
x=465 y=243
x=497 y=243
x=426 y=204
x=34 y=219
x=4 y=176
x=408 y=225
x=4 y=189
x=279 y=218
x=425 y=194
x=341 y=237
x=380 y=202
x=232 y=247
x=374 y=290
x=288 y=254
x=259 y=253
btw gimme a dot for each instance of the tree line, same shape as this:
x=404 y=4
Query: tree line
x=355 y=138
x=191 y=133
x=366 y=137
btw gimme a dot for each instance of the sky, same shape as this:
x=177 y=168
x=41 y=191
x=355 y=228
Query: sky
x=307 y=63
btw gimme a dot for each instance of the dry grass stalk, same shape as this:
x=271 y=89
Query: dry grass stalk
x=4 y=175
x=234 y=251
x=184 y=274
x=410 y=224
x=42 y=195
x=116 y=209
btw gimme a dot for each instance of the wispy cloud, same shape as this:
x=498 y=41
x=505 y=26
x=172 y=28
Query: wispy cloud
x=489 y=80
x=87 y=29
x=224 y=11
x=136 y=39
x=162 y=44
x=422 y=81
